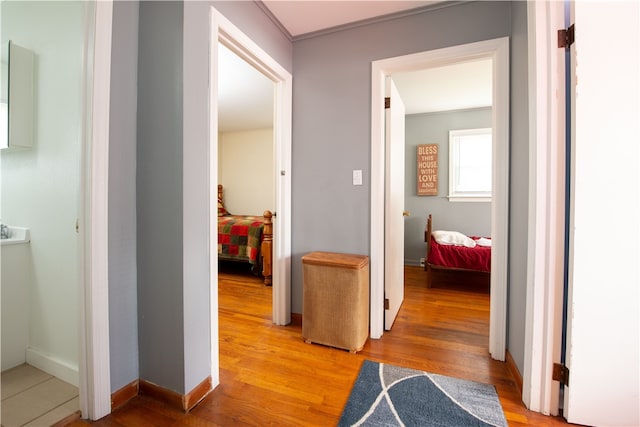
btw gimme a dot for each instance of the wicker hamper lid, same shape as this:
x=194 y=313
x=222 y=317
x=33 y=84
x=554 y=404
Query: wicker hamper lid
x=333 y=259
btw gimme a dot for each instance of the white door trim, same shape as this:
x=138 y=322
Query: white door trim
x=224 y=31
x=95 y=372
x=498 y=50
x=545 y=263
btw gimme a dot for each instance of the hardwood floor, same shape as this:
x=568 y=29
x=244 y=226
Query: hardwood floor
x=269 y=376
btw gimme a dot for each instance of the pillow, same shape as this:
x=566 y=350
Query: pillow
x=221 y=210
x=483 y=241
x=453 y=238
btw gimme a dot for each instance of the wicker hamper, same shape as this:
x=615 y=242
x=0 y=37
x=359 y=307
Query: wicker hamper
x=335 y=298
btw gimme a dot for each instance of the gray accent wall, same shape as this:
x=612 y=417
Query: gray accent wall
x=123 y=298
x=159 y=196
x=519 y=186
x=331 y=132
x=470 y=218
x=251 y=20
x=332 y=124
x=195 y=197
x=160 y=317
x=331 y=137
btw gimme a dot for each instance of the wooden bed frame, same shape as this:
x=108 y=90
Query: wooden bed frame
x=451 y=276
x=266 y=247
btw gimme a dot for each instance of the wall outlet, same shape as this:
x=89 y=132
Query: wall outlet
x=421 y=262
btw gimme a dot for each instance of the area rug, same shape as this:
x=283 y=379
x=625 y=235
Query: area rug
x=387 y=395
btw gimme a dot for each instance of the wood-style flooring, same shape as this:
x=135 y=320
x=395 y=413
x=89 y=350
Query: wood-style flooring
x=270 y=376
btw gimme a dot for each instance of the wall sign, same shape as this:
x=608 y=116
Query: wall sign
x=427 y=170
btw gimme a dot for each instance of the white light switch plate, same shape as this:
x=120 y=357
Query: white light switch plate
x=357 y=177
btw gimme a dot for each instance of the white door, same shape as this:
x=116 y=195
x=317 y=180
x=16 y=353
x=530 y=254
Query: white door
x=603 y=300
x=394 y=206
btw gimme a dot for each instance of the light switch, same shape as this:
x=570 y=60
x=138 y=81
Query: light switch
x=357 y=177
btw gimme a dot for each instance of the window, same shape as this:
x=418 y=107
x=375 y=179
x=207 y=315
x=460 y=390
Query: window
x=470 y=165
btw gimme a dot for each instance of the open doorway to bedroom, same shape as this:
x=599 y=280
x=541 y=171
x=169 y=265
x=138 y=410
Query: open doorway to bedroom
x=496 y=51
x=441 y=102
x=245 y=184
x=224 y=33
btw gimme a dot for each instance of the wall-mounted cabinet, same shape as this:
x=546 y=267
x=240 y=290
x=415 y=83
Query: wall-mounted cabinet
x=16 y=97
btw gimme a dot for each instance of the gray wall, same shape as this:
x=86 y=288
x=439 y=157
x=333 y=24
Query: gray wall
x=195 y=198
x=123 y=301
x=251 y=20
x=331 y=126
x=160 y=327
x=331 y=136
x=470 y=218
x=159 y=195
x=519 y=185
x=331 y=132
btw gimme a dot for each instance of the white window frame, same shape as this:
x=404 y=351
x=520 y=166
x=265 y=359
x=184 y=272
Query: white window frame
x=458 y=196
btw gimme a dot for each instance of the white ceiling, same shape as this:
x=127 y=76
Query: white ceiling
x=307 y=16
x=454 y=87
x=246 y=96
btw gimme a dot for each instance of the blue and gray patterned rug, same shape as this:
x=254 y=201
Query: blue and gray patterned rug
x=387 y=395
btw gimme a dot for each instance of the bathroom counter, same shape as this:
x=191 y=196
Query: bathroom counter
x=17 y=236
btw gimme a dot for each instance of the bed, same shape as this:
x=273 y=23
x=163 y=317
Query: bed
x=453 y=258
x=246 y=238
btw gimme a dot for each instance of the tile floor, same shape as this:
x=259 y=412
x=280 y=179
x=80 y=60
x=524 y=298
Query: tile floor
x=31 y=397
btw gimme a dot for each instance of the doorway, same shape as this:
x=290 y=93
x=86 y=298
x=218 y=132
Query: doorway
x=441 y=104
x=245 y=167
x=63 y=351
x=497 y=51
x=224 y=32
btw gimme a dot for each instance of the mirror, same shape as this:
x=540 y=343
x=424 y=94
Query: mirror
x=16 y=106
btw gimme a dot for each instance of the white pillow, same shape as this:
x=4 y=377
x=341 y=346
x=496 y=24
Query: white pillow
x=453 y=238
x=483 y=241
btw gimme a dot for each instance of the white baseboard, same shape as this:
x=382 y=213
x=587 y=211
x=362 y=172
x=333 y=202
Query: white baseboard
x=53 y=366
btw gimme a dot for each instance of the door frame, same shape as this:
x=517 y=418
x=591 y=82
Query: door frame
x=544 y=301
x=545 y=263
x=95 y=366
x=498 y=51
x=223 y=31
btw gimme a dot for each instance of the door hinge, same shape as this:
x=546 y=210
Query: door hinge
x=566 y=37
x=386 y=303
x=560 y=373
x=387 y=102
